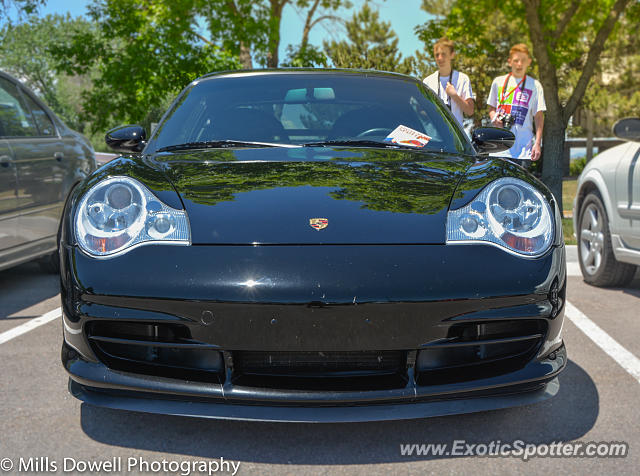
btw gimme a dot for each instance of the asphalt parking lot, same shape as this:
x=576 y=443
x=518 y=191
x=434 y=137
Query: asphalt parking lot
x=46 y=427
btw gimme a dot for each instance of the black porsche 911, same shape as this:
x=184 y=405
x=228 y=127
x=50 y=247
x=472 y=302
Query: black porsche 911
x=311 y=245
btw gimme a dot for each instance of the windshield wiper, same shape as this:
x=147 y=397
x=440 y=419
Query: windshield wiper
x=359 y=143
x=221 y=144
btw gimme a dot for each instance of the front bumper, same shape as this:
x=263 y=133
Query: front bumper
x=307 y=414
x=412 y=300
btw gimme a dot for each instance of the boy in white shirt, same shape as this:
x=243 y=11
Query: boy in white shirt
x=515 y=102
x=453 y=87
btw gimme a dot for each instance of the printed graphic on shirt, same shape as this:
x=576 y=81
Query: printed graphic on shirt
x=517 y=104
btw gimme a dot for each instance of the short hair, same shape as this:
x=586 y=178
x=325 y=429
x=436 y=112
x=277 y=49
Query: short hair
x=519 y=48
x=446 y=43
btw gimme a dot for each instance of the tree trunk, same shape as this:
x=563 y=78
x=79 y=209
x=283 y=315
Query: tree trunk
x=245 y=56
x=553 y=141
x=274 y=32
x=308 y=25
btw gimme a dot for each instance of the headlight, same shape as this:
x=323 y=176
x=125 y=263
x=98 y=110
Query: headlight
x=509 y=213
x=120 y=212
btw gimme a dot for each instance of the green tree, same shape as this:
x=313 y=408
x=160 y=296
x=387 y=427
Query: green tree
x=143 y=52
x=613 y=93
x=304 y=54
x=21 y=7
x=372 y=44
x=250 y=29
x=25 y=52
x=567 y=39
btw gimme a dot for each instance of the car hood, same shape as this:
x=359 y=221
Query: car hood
x=315 y=195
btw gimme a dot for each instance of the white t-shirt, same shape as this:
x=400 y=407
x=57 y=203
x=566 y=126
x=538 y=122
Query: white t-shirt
x=460 y=82
x=522 y=101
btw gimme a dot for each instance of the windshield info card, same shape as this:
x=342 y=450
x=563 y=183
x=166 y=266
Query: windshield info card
x=404 y=135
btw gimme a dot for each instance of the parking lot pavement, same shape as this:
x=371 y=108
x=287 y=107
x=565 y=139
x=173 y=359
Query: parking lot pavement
x=597 y=401
x=104 y=157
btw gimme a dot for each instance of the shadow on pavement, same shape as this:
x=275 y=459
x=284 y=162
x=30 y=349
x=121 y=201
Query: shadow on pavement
x=567 y=416
x=24 y=286
x=634 y=286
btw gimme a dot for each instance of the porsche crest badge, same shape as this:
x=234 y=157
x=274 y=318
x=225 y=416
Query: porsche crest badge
x=318 y=223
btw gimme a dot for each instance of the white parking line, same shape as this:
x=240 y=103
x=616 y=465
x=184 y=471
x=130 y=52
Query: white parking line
x=573 y=269
x=29 y=325
x=622 y=356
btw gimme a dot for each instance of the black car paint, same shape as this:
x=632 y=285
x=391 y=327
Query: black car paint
x=314 y=296
x=249 y=196
x=125 y=139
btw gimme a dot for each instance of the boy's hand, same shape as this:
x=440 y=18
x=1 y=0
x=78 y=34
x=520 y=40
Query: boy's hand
x=450 y=90
x=535 y=152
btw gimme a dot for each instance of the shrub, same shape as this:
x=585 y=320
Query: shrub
x=576 y=166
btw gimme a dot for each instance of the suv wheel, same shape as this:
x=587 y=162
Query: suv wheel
x=595 y=253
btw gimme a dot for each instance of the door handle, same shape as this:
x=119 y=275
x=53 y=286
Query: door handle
x=58 y=156
x=5 y=160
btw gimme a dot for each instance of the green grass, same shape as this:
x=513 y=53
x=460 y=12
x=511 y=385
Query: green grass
x=567 y=230
x=569 y=187
x=568 y=192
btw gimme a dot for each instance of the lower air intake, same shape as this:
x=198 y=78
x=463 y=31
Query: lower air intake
x=353 y=370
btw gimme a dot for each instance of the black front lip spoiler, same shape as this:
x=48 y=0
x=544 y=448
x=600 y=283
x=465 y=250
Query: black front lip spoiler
x=96 y=384
x=335 y=414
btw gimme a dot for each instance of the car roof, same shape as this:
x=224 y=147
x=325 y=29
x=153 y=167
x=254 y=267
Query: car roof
x=319 y=71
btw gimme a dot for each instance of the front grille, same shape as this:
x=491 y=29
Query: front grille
x=161 y=350
x=348 y=370
x=319 y=363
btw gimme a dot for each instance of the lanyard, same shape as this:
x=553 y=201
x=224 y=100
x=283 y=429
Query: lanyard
x=504 y=96
x=440 y=86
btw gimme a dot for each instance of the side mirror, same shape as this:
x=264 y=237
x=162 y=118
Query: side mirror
x=627 y=129
x=126 y=138
x=488 y=140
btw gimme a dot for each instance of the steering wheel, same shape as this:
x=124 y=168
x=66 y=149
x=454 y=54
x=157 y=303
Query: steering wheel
x=376 y=131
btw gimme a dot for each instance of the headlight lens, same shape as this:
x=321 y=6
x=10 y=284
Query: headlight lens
x=120 y=212
x=509 y=213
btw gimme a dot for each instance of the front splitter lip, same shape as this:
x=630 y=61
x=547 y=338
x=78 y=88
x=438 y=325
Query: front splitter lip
x=419 y=403
x=335 y=414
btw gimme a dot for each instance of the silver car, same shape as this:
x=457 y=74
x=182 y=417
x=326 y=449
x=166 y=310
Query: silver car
x=41 y=159
x=606 y=211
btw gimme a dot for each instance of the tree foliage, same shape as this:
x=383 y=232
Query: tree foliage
x=614 y=92
x=25 y=52
x=250 y=29
x=372 y=44
x=567 y=40
x=144 y=52
x=21 y=7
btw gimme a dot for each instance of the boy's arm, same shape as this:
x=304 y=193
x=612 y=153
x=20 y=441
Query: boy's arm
x=494 y=117
x=467 y=105
x=492 y=102
x=464 y=97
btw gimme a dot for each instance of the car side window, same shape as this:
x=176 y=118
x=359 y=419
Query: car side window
x=44 y=124
x=15 y=120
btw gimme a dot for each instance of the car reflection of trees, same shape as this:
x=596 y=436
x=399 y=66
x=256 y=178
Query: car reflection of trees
x=480 y=174
x=381 y=180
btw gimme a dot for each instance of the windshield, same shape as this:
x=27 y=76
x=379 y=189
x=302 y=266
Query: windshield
x=307 y=107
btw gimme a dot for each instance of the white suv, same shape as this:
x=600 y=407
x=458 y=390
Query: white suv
x=606 y=211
